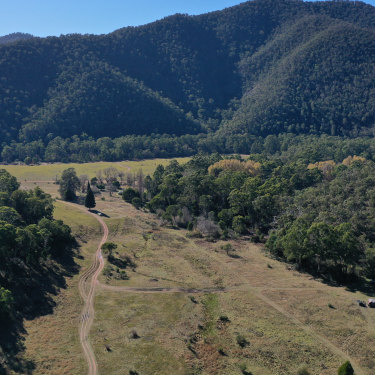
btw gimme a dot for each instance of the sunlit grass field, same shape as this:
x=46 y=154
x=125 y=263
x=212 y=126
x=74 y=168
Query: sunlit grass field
x=51 y=172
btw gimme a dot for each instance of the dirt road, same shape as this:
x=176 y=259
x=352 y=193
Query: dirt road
x=86 y=286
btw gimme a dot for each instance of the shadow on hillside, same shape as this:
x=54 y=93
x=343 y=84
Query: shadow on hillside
x=355 y=284
x=363 y=286
x=33 y=296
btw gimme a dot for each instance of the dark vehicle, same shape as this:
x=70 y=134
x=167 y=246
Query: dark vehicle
x=371 y=302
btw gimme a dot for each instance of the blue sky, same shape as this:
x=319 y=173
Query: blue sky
x=55 y=17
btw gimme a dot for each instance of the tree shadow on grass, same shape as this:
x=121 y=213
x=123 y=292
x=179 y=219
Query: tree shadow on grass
x=352 y=283
x=33 y=289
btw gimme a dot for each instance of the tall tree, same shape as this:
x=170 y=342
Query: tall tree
x=69 y=184
x=90 y=198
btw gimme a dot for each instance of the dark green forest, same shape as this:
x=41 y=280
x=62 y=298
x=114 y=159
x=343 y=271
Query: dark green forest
x=36 y=255
x=14 y=37
x=218 y=81
x=320 y=216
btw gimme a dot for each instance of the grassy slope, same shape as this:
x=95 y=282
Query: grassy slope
x=52 y=341
x=166 y=322
x=172 y=327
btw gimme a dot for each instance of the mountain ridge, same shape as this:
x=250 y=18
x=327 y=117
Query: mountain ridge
x=194 y=74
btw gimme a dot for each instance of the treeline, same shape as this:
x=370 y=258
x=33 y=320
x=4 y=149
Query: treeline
x=29 y=236
x=288 y=146
x=319 y=215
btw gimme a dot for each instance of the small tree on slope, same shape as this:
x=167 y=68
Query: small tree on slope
x=346 y=369
x=90 y=199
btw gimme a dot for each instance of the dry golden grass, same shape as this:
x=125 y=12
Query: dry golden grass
x=283 y=314
x=167 y=321
x=52 y=341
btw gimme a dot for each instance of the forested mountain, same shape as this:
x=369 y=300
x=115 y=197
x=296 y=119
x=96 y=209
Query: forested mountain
x=14 y=37
x=262 y=67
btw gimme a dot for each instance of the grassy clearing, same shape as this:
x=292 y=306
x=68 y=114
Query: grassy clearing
x=52 y=341
x=197 y=333
x=210 y=324
x=159 y=321
x=49 y=172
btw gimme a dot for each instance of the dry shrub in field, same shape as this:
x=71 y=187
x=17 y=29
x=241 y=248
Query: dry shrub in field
x=207 y=227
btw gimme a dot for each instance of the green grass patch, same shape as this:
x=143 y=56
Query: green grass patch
x=211 y=313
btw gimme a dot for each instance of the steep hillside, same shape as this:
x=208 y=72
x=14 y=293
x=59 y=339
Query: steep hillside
x=260 y=68
x=320 y=84
x=101 y=99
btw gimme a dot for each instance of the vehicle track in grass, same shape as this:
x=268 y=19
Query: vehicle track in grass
x=86 y=286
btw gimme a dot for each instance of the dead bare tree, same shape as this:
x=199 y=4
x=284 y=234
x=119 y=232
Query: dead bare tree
x=99 y=175
x=129 y=179
x=121 y=176
x=140 y=182
x=83 y=178
x=111 y=174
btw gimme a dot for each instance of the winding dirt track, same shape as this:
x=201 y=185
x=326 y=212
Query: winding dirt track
x=86 y=286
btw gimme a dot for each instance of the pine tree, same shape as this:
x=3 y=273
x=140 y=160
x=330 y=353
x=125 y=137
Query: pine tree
x=90 y=199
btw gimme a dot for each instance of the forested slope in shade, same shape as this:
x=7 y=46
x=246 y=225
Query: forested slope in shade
x=262 y=67
x=36 y=255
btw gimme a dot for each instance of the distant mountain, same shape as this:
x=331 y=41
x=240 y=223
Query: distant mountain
x=14 y=37
x=262 y=67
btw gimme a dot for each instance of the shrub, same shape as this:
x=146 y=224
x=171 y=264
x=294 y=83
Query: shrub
x=6 y=302
x=128 y=194
x=239 y=224
x=207 y=227
x=224 y=319
x=303 y=371
x=242 y=342
x=346 y=369
x=136 y=202
x=107 y=271
x=244 y=370
x=108 y=247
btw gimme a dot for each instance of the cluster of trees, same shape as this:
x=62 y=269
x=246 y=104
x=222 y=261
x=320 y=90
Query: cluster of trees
x=320 y=216
x=110 y=179
x=28 y=237
x=289 y=146
x=262 y=67
x=331 y=224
